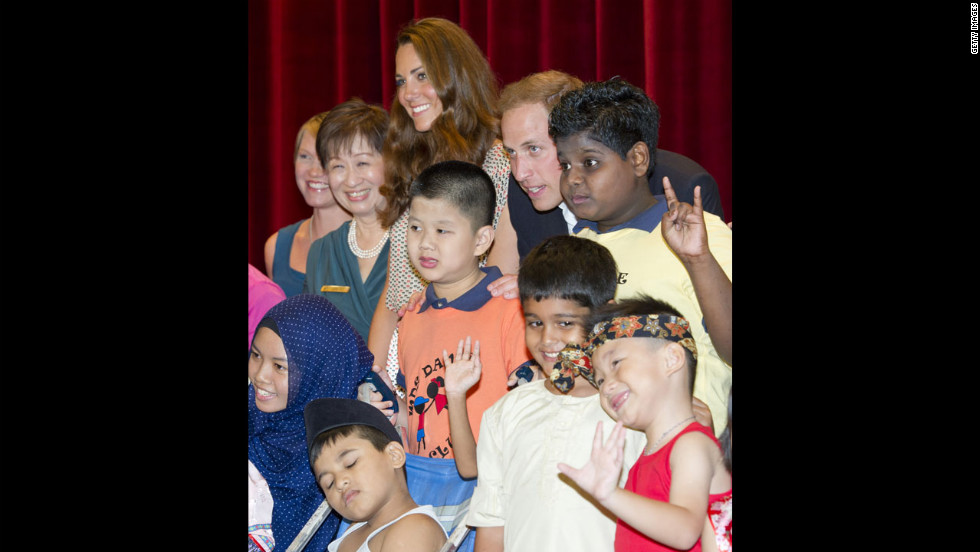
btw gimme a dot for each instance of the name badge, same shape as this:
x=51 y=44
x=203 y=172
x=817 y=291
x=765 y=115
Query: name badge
x=336 y=289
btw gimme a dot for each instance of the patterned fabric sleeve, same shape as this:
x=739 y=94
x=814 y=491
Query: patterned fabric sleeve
x=403 y=280
x=497 y=165
x=391 y=364
x=720 y=514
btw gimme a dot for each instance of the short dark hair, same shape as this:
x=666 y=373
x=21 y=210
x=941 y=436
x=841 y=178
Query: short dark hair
x=377 y=439
x=568 y=267
x=344 y=123
x=614 y=113
x=374 y=436
x=640 y=305
x=463 y=185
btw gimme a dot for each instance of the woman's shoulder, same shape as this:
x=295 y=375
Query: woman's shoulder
x=291 y=228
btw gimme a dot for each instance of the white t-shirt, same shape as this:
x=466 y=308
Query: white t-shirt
x=523 y=437
x=424 y=509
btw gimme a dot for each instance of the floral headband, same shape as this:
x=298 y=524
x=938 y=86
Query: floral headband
x=576 y=359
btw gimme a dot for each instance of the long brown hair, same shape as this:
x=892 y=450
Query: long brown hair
x=466 y=129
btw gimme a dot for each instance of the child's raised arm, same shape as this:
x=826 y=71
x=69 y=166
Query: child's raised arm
x=600 y=477
x=462 y=372
x=684 y=230
x=677 y=523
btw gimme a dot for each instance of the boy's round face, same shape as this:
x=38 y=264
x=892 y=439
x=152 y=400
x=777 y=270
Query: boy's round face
x=442 y=244
x=356 y=478
x=625 y=370
x=268 y=369
x=549 y=325
x=599 y=185
x=533 y=160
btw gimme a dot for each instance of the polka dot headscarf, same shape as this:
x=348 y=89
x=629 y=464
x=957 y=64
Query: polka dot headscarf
x=326 y=358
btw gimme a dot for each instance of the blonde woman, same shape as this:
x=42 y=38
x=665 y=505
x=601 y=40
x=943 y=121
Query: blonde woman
x=287 y=248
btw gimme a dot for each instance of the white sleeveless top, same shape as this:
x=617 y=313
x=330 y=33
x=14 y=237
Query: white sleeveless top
x=424 y=509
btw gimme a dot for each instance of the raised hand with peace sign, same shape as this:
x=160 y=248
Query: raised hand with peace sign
x=683 y=225
x=685 y=232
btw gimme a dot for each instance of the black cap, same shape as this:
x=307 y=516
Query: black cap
x=324 y=414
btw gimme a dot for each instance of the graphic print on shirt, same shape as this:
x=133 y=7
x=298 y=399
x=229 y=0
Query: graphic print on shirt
x=434 y=395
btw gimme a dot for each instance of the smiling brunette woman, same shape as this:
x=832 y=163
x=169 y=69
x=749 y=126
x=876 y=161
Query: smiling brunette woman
x=445 y=110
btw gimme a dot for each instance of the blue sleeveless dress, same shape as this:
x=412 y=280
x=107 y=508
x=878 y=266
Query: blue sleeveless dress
x=288 y=278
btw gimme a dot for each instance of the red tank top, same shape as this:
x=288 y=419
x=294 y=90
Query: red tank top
x=650 y=477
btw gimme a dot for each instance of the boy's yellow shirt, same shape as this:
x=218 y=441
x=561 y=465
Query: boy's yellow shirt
x=647 y=265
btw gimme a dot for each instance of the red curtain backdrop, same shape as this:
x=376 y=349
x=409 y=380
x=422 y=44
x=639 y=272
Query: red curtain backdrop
x=305 y=56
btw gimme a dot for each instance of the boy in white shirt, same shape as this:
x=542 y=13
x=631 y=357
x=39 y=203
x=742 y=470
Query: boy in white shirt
x=521 y=501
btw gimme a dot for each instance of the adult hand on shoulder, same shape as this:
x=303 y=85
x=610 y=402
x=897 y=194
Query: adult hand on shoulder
x=506 y=286
x=702 y=414
x=600 y=476
x=683 y=225
x=413 y=302
x=463 y=370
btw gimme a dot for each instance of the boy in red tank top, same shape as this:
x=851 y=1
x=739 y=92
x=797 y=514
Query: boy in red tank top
x=641 y=355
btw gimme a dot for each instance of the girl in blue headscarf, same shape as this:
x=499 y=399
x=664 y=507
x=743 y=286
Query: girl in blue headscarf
x=303 y=349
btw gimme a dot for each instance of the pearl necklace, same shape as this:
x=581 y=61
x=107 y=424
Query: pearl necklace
x=664 y=434
x=357 y=251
